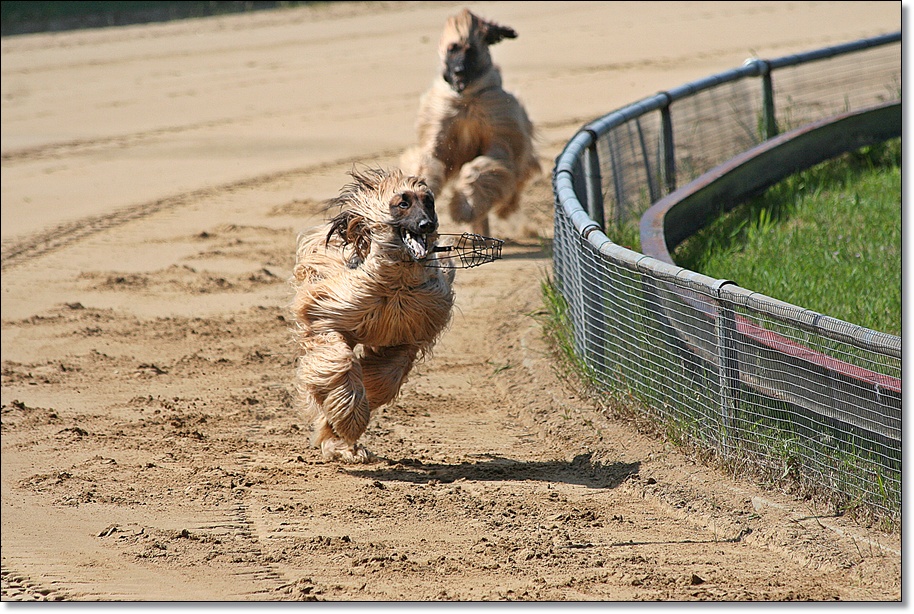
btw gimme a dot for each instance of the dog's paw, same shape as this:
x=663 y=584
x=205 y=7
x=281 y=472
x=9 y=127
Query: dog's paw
x=337 y=449
x=358 y=454
x=460 y=208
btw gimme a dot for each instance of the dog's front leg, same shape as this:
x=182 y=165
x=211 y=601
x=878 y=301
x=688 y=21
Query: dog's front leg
x=385 y=371
x=484 y=183
x=433 y=172
x=331 y=375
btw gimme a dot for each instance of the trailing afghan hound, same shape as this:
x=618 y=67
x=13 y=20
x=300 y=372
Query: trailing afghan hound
x=473 y=134
x=368 y=303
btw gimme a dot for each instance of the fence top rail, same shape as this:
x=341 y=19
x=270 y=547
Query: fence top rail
x=828 y=52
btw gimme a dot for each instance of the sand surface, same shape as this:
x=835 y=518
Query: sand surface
x=154 y=179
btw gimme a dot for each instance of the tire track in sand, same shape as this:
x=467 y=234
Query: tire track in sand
x=16 y=252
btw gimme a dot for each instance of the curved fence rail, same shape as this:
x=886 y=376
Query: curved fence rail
x=757 y=380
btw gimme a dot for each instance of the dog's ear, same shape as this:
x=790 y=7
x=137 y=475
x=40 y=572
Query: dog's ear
x=494 y=33
x=353 y=230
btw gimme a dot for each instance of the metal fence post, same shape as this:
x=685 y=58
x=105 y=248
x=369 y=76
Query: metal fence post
x=771 y=124
x=728 y=367
x=666 y=146
x=594 y=184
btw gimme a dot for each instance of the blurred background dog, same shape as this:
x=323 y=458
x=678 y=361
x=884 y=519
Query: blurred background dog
x=473 y=135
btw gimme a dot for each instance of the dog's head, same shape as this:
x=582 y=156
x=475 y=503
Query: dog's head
x=386 y=211
x=464 y=48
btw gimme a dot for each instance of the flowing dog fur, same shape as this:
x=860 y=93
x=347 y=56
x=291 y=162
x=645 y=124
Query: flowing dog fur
x=472 y=134
x=366 y=306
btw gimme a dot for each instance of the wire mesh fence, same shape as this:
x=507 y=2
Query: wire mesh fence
x=756 y=380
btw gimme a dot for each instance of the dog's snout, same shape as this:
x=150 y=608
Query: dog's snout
x=459 y=65
x=427 y=226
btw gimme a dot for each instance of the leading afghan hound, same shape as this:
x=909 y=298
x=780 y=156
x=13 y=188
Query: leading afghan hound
x=368 y=303
x=472 y=133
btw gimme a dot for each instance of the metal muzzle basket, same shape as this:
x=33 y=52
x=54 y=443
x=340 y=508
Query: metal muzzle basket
x=464 y=251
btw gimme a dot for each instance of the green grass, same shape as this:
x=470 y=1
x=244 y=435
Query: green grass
x=827 y=239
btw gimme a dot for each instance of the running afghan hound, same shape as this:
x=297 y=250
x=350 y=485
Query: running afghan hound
x=368 y=303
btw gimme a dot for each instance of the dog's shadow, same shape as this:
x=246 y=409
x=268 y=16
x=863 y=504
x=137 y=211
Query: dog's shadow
x=582 y=470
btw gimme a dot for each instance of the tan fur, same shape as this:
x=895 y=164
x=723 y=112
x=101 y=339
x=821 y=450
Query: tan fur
x=478 y=140
x=364 y=310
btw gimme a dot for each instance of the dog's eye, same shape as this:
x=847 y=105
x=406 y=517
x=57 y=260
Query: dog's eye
x=399 y=201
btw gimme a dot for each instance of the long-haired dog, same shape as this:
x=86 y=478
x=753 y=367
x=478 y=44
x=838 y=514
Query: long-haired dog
x=366 y=305
x=472 y=134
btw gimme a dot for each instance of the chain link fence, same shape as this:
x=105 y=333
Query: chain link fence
x=763 y=384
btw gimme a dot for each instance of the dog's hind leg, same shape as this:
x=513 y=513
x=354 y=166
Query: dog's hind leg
x=330 y=374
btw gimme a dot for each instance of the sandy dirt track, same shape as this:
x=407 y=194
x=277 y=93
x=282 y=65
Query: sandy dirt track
x=154 y=180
